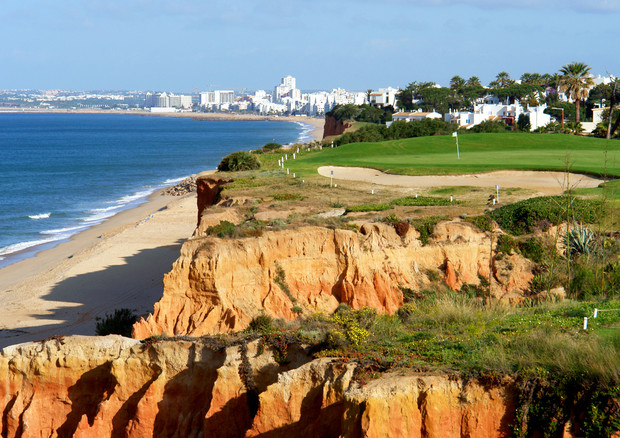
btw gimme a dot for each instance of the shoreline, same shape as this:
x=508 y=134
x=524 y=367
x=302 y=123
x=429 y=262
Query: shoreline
x=317 y=123
x=118 y=263
x=18 y=255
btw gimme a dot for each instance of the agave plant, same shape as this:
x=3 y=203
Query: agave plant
x=580 y=240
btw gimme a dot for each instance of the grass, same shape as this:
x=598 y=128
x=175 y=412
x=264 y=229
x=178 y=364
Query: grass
x=479 y=153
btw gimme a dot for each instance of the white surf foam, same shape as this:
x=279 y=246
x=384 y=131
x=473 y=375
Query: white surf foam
x=40 y=216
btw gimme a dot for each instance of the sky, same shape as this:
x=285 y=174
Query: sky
x=176 y=45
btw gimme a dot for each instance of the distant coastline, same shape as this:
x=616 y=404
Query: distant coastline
x=317 y=123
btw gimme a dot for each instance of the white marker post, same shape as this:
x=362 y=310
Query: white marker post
x=458 y=154
x=585 y=323
x=287 y=171
x=497 y=192
x=294 y=155
x=331 y=178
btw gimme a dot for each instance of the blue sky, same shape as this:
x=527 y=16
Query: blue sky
x=176 y=45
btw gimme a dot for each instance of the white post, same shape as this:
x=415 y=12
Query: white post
x=585 y=323
x=287 y=171
x=297 y=150
x=286 y=157
x=293 y=174
x=451 y=198
x=294 y=155
x=595 y=313
x=497 y=192
x=372 y=192
x=331 y=178
x=416 y=195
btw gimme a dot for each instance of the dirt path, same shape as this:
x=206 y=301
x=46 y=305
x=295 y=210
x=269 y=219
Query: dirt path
x=550 y=183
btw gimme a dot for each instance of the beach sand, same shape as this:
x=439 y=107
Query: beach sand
x=117 y=264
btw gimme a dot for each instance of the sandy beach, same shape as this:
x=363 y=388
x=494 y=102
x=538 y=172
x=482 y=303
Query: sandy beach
x=117 y=264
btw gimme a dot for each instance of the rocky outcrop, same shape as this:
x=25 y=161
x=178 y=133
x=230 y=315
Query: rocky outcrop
x=219 y=285
x=112 y=387
x=334 y=127
x=208 y=189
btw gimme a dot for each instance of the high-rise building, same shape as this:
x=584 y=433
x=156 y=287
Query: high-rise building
x=286 y=89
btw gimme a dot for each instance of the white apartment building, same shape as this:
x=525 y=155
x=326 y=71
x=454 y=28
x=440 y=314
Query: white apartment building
x=217 y=98
x=288 y=88
x=384 y=97
x=167 y=100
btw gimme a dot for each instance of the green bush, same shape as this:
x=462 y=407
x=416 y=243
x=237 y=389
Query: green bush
x=505 y=244
x=287 y=197
x=223 y=229
x=261 y=323
x=483 y=222
x=490 y=126
x=238 y=161
x=119 y=323
x=426 y=226
x=533 y=249
x=271 y=146
x=422 y=201
x=524 y=216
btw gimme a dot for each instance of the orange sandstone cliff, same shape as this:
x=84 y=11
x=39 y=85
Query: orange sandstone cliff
x=116 y=387
x=219 y=285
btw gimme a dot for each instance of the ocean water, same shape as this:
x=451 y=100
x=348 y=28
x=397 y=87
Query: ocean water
x=63 y=173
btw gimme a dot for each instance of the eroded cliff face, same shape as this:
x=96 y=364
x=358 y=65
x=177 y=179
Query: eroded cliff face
x=334 y=127
x=113 y=386
x=219 y=285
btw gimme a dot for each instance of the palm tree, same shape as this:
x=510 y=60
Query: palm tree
x=503 y=79
x=576 y=82
x=457 y=84
x=474 y=81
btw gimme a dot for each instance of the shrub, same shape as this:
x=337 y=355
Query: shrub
x=287 y=197
x=261 y=323
x=533 y=249
x=271 y=146
x=223 y=229
x=238 y=161
x=483 y=222
x=426 y=226
x=505 y=244
x=490 y=126
x=422 y=201
x=523 y=216
x=119 y=323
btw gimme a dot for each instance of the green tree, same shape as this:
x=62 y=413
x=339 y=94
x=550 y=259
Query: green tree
x=523 y=123
x=474 y=81
x=457 y=85
x=532 y=79
x=576 y=81
x=503 y=79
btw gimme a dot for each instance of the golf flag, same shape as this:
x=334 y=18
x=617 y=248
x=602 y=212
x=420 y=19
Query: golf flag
x=454 y=134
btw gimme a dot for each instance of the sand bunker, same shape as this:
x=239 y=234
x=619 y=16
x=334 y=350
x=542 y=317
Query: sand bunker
x=545 y=182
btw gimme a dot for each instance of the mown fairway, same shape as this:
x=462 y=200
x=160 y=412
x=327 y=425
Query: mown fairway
x=479 y=153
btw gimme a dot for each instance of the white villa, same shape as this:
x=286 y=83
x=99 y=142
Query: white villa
x=509 y=113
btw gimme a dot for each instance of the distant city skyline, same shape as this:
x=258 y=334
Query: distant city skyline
x=357 y=45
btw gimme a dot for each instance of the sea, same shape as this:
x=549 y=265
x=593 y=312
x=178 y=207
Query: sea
x=63 y=173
